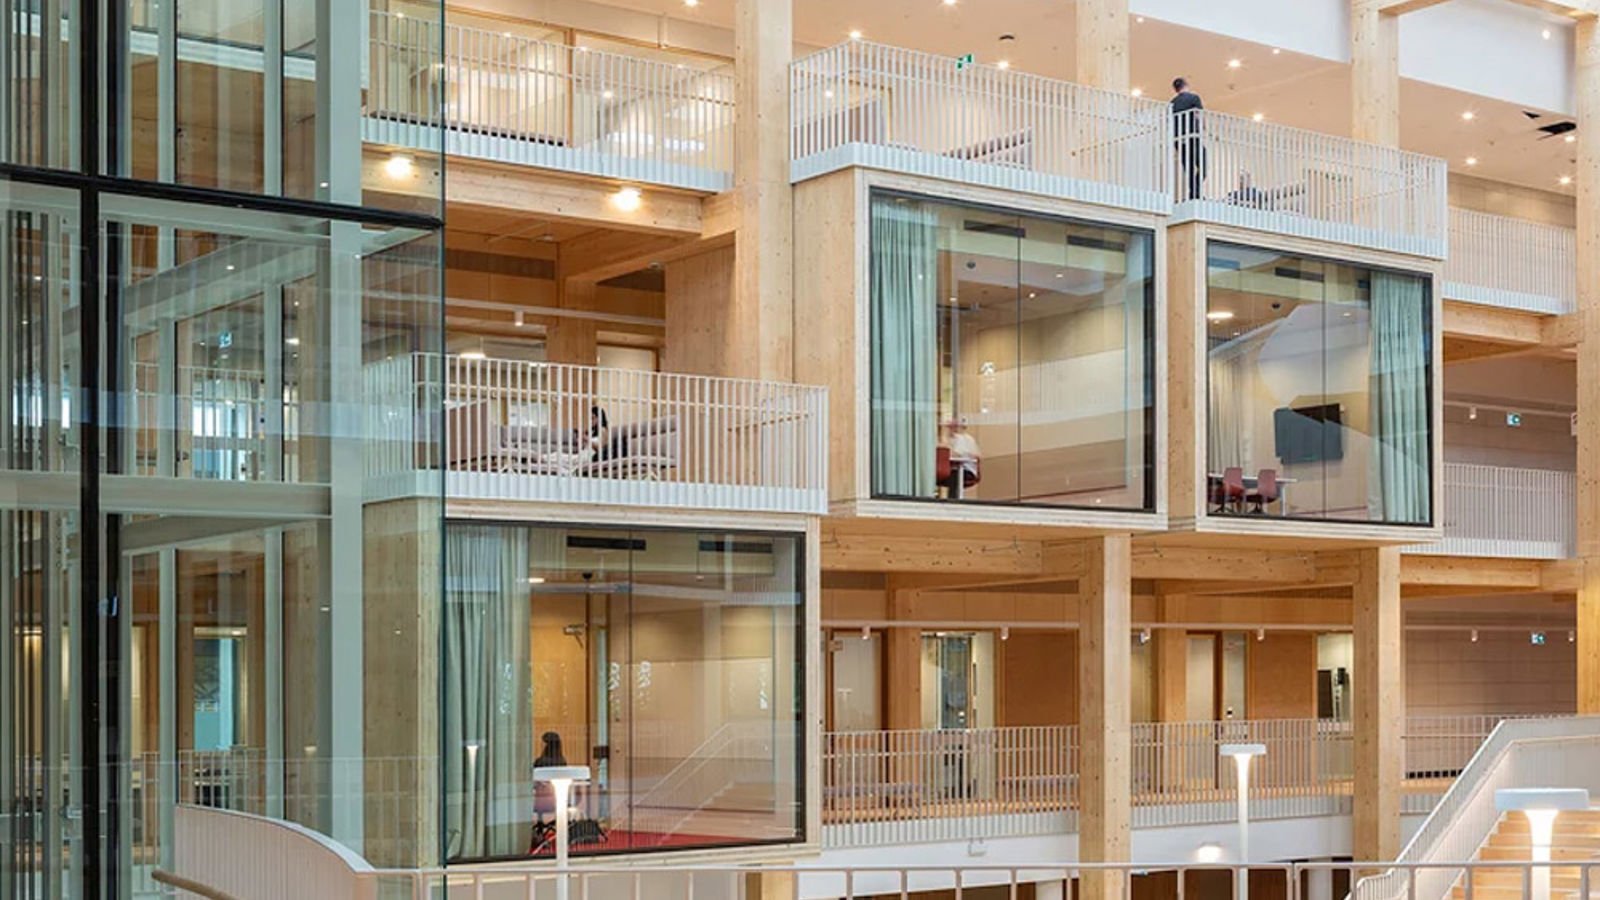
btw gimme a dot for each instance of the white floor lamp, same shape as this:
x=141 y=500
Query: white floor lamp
x=561 y=779
x=1541 y=806
x=1242 y=754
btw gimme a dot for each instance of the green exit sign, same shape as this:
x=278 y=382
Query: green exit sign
x=963 y=61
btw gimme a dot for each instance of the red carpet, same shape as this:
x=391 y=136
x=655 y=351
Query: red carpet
x=620 y=841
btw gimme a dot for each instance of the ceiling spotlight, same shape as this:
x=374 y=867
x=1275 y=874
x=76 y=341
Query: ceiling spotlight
x=1003 y=64
x=855 y=34
x=1474 y=635
x=1208 y=854
x=1472 y=160
x=1571 y=138
x=627 y=199
x=1468 y=116
x=828 y=94
x=516 y=318
x=1234 y=63
x=1139 y=19
x=1138 y=92
x=1258 y=117
x=1572 y=636
x=1545 y=34
x=866 y=632
x=1219 y=315
x=607 y=94
x=1144 y=635
x=1472 y=413
x=1276 y=51
x=535 y=579
x=1564 y=180
x=1005 y=632
x=1261 y=634
x=949 y=2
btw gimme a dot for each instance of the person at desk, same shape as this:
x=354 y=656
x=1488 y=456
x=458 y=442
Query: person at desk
x=965 y=458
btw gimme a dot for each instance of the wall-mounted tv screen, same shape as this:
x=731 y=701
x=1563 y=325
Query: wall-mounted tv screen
x=1308 y=434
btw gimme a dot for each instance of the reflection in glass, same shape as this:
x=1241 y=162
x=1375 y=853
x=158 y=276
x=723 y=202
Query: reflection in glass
x=1319 y=377
x=667 y=662
x=1012 y=357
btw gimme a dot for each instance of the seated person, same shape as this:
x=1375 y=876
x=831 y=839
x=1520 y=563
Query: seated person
x=580 y=828
x=1248 y=195
x=965 y=457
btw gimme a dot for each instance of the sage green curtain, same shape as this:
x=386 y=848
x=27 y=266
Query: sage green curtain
x=1400 y=418
x=488 y=692
x=905 y=351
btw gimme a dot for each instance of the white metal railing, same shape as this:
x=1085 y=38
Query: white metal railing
x=1237 y=171
x=891 y=787
x=219 y=421
x=1514 y=263
x=1506 y=512
x=528 y=431
x=1558 y=752
x=867 y=104
x=514 y=99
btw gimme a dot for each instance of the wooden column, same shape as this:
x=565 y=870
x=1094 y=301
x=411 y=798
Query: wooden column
x=699 y=298
x=1172 y=662
x=572 y=340
x=1105 y=596
x=1374 y=73
x=1102 y=44
x=1379 y=704
x=902 y=654
x=764 y=242
x=1586 y=93
x=771 y=886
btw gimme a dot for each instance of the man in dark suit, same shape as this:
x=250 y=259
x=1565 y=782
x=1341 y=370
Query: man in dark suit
x=1186 y=113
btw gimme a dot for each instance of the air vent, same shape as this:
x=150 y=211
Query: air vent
x=1096 y=243
x=1012 y=231
x=730 y=546
x=586 y=542
x=1298 y=275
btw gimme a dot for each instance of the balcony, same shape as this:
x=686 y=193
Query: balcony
x=1237 y=171
x=1506 y=512
x=894 y=787
x=1511 y=263
x=525 y=432
x=510 y=98
x=865 y=104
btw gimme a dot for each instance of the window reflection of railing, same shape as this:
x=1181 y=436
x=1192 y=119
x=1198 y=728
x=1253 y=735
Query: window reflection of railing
x=216 y=419
x=1514 y=263
x=861 y=103
x=1237 y=171
x=528 y=431
x=515 y=99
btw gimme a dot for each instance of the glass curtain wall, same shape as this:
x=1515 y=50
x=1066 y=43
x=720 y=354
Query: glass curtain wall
x=1319 y=383
x=668 y=662
x=1012 y=357
x=196 y=278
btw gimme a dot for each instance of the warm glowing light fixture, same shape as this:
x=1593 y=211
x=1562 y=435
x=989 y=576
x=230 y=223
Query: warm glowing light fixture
x=1258 y=117
x=1235 y=63
x=1472 y=160
x=1138 y=92
x=855 y=34
x=627 y=199
x=1219 y=315
x=1564 y=180
x=1468 y=116
x=397 y=166
x=1003 y=64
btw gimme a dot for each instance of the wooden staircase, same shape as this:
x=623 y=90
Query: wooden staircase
x=1577 y=839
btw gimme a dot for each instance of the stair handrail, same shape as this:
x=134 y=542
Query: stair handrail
x=1465 y=816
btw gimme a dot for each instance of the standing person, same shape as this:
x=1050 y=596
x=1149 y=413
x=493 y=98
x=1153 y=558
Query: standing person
x=1186 y=112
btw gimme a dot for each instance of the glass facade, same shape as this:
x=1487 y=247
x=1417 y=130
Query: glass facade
x=1012 y=357
x=1319 y=383
x=668 y=662
x=199 y=263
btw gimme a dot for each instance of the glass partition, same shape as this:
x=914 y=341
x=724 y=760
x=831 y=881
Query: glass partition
x=668 y=662
x=1012 y=357
x=1319 y=383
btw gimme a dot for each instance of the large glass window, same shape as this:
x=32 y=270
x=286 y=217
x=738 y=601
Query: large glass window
x=1319 y=379
x=1012 y=357
x=668 y=662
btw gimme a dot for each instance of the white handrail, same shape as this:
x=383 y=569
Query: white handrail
x=1238 y=171
x=1512 y=263
x=1506 y=511
x=1558 y=752
x=528 y=431
x=860 y=103
x=514 y=99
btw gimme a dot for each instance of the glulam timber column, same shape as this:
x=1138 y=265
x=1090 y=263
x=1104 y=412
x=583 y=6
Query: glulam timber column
x=902 y=650
x=1102 y=44
x=1375 y=72
x=1586 y=93
x=764 y=243
x=1105 y=670
x=1379 y=704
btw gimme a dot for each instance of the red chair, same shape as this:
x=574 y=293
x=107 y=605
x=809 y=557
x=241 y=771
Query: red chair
x=941 y=465
x=1266 y=491
x=1229 y=492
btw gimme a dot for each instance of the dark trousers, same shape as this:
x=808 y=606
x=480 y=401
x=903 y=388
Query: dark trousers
x=1192 y=163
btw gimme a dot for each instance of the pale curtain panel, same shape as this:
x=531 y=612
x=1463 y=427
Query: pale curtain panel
x=488 y=691
x=1230 y=383
x=1400 y=420
x=905 y=353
